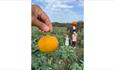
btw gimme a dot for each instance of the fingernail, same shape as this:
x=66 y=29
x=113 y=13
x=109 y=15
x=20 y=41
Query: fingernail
x=46 y=28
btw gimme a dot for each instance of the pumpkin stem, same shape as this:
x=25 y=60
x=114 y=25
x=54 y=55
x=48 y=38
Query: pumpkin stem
x=48 y=34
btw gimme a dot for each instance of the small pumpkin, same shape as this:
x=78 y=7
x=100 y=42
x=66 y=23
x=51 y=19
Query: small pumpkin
x=48 y=43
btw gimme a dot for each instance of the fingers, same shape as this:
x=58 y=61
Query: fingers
x=41 y=17
x=46 y=20
x=39 y=24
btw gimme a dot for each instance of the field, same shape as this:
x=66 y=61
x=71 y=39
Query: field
x=64 y=58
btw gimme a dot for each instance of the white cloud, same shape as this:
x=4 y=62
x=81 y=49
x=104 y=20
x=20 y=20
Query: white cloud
x=62 y=6
x=65 y=4
x=64 y=15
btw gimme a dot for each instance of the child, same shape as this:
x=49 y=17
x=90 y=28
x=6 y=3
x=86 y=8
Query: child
x=74 y=39
x=67 y=40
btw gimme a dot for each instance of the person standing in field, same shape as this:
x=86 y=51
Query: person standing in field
x=74 y=39
x=72 y=28
x=66 y=40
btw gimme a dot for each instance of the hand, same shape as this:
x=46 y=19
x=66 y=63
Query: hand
x=40 y=19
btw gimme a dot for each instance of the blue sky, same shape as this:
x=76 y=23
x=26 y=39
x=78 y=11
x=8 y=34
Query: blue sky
x=62 y=10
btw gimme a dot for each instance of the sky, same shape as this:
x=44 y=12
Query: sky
x=62 y=10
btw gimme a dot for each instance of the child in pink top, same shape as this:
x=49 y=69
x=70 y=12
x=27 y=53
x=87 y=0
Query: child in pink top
x=74 y=39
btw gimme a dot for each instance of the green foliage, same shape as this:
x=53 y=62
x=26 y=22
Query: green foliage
x=81 y=38
x=75 y=66
x=64 y=58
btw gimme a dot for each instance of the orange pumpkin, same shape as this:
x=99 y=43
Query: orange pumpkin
x=48 y=43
